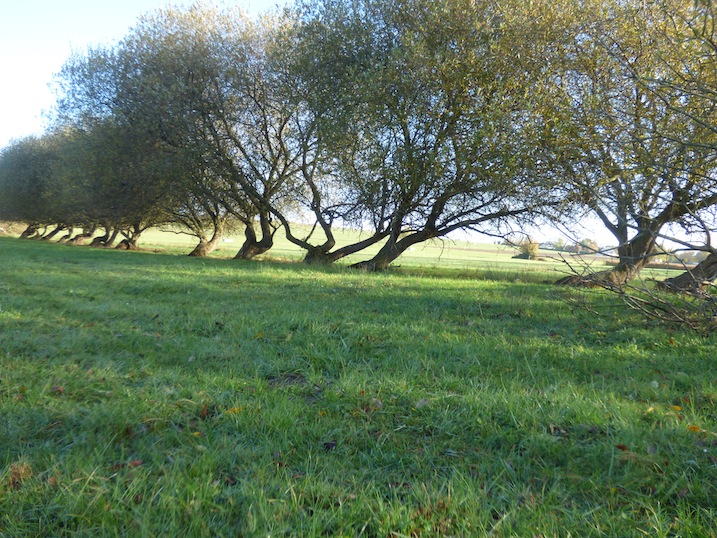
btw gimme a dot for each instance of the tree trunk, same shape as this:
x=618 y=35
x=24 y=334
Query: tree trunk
x=67 y=236
x=131 y=235
x=128 y=244
x=320 y=256
x=29 y=232
x=109 y=242
x=613 y=278
x=204 y=248
x=393 y=248
x=633 y=256
x=693 y=280
x=81 y=237
x=252 y=246
x=105 y=240
x=40 y=234
x=53 y=233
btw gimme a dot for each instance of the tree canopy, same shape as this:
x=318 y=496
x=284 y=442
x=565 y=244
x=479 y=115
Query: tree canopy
x=408 y=119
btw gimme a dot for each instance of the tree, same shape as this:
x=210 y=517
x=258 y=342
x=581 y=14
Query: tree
x=627 y=154
x=199 y=80
x=691 y=68
x=429 y=113
x=26 y=169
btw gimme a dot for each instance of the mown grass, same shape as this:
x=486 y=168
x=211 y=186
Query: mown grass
x=146 y=395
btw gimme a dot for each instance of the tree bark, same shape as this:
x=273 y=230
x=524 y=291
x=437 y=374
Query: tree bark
x=29 y=232
x=128 y=244
x=633 y=256
x=319 y=256
x=132 y=235
x=81 y=237
x=67 y=236
x=253 y=246
x=693 y=280
x=105 y=240
x=53 y=233
x=204 y=248
x=393 y=248
x=613 y=278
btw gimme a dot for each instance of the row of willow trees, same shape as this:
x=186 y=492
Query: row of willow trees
x=408 y=119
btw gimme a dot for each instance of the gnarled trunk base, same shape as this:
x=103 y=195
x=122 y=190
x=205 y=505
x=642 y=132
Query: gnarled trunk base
x=52 y=234
x=81 y=238
x=695 y=280
x=204 y=249
x=319 y=256
x=29 y=232
x=252 y=246
x=614 y=278
x=127 y=244
x=396 y=245
x=249 y=250
x=106 y=240
x=372 y=266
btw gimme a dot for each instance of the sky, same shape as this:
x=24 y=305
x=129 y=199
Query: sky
x=37 y=36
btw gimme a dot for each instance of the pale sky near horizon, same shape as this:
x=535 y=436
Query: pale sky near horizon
x=37 y=36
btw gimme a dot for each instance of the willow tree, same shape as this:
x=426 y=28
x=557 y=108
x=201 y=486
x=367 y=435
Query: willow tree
x=203 y=80
x=690 y=30
x=629 y=156
x=429 y=112
x=26 y=168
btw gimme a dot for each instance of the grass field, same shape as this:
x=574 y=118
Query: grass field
x=145 y=394
x=487 y=260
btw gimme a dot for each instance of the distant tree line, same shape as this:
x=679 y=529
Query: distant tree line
x=408 y=119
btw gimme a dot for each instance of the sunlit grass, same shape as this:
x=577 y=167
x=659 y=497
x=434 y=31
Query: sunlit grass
x=145 y=395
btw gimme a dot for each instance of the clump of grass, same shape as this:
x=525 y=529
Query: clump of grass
x=144 y=394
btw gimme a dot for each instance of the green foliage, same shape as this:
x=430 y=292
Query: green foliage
x=146 y=395
x=633 y=142
x=410 y=119
x=529 y=248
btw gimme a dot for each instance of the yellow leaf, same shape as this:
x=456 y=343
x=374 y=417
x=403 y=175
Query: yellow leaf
x=676 y=407
x=197 y=434
x=232 y=411
x=694 y=428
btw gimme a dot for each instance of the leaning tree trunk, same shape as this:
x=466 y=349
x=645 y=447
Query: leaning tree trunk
x=204 y=248
x=324 y=255
x=633 y=256
x=67 y=236
x=53 y=233
x=29 y=232
x=128 y=244
x=105 y=240
x=132 y=235
x=392 y=249
x=253 y=246
x=81 y=237
x=694 y=280
x=112 y=238
x=320 y=255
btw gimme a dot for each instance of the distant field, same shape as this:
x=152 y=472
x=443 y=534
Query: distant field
x=145 y=394
x=436 y=254
x=445 y=254
x=480 y=259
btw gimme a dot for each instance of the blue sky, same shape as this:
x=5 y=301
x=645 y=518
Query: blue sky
x=37 y=36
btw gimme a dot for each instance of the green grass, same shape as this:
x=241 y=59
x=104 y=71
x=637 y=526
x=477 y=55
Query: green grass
x=145 y=394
